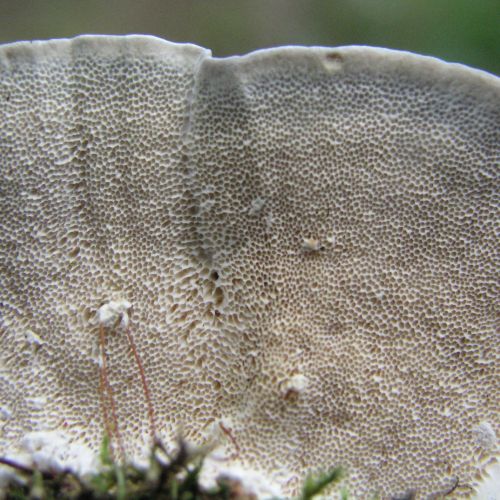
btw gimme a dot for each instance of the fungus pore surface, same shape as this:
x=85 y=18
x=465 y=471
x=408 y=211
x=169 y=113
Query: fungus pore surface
x=302 y=241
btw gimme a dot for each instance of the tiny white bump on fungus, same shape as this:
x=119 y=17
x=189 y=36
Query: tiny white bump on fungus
x=485 y=436
x=256 y=206
x=294 y=386
x=114 y=314
x=311 y=244
x=133 y=167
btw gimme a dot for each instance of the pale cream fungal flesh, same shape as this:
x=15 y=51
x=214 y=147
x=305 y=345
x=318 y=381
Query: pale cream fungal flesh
x=303 y=242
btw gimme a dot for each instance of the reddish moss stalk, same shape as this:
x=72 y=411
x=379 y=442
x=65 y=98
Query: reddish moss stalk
x=145 y=386
x=107 y=397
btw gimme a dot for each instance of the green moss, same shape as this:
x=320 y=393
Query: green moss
x=169 y=478
x=316 y=484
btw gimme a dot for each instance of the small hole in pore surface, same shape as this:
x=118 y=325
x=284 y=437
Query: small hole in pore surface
x=214 y=275
x=333 y=62
x=88 y=314
x=291 y=395
x=219 y=296
x=73 y=253
x=334 y=56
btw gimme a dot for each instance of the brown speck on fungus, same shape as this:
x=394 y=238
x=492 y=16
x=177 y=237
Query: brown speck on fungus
x=134 y=167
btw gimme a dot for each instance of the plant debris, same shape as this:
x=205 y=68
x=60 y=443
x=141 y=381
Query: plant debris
x=167 y=477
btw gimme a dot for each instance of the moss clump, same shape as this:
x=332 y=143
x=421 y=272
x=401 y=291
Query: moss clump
x=316 y=484
x=167 y=477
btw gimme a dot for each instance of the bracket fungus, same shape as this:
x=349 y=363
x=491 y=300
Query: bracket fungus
x=303 y=241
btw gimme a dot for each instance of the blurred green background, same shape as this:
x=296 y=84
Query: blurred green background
x=466 y=31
